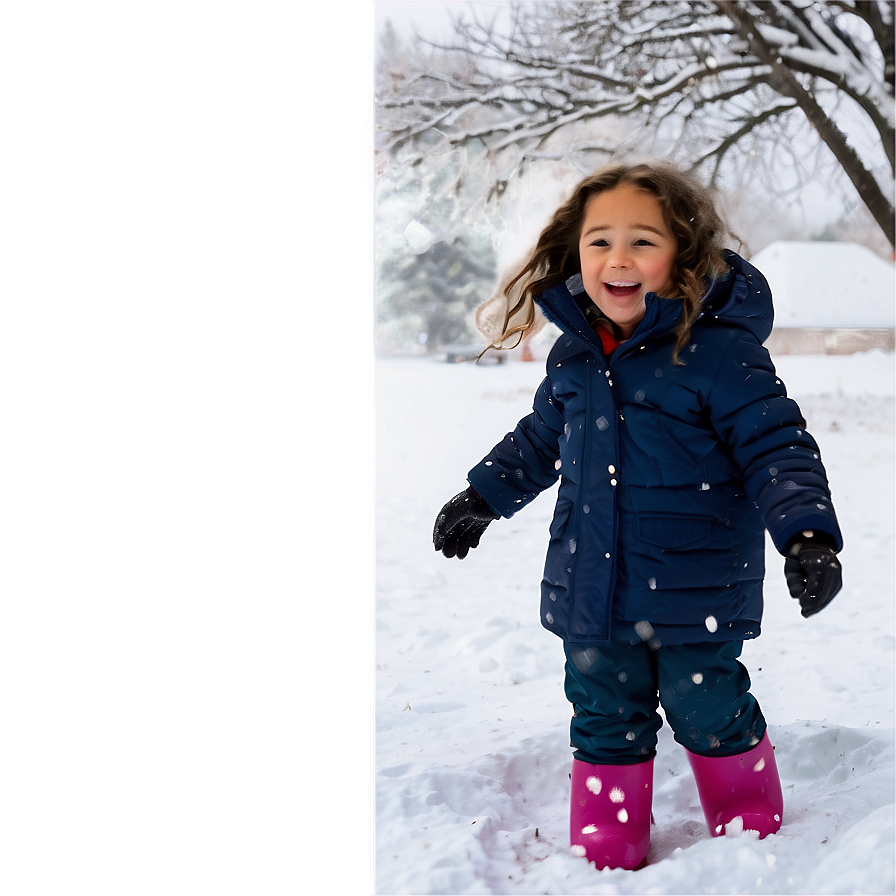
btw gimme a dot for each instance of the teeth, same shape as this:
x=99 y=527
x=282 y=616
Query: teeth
x=622 y=283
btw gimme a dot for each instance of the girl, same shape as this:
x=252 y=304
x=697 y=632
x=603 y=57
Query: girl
x=676 y=446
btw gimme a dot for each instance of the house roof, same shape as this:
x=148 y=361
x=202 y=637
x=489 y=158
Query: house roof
x=828 y=285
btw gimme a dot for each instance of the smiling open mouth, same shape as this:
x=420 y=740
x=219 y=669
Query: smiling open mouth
x=622 y=288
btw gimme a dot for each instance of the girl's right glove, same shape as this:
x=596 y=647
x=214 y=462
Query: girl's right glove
x=813 y=574
x=460 y=524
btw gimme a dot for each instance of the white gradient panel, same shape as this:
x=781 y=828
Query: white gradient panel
x=185 y=447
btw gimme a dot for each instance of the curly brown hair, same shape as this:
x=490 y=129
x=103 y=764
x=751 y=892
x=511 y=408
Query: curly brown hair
x=689 y=212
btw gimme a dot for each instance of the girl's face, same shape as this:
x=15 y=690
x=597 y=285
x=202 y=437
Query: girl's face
x=626 y=251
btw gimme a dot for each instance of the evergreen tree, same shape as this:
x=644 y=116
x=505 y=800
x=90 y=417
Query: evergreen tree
x=428 y=287
x=427 y=298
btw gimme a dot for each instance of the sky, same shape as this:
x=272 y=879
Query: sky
x=428 y=18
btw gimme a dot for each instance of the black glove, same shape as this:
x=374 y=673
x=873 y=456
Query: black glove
x=813 y=573
x=460 y=524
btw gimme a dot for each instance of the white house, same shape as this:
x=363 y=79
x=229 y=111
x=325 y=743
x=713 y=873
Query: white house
x=830 y=298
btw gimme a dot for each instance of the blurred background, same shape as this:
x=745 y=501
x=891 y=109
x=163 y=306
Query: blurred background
x=488 y=113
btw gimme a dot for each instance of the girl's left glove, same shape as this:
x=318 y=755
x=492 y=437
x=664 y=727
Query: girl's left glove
x=460 y=524
x=813 y=574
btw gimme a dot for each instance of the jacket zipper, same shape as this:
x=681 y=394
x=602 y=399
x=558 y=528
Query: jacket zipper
x=579 y=514
x=615 y=508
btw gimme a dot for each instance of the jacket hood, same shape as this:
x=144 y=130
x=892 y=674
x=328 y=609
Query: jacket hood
x=741 y=297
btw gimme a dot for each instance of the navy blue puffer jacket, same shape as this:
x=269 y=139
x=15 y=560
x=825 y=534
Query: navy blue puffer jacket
x=669 y=474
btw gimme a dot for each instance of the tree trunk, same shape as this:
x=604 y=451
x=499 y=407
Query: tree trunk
x=785 y=82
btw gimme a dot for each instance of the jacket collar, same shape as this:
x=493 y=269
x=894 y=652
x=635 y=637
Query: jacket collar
x=740 y=297
x=561 y=306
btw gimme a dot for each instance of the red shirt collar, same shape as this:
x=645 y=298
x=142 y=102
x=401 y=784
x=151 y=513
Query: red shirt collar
x=609 y=343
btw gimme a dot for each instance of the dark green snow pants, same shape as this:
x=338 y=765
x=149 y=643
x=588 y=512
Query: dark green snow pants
x=616 y=689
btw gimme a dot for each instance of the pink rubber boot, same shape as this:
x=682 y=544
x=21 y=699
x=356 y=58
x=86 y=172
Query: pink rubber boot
x=745 y=786
x=609 y=814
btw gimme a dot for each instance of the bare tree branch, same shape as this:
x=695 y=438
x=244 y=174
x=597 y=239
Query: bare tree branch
x=556 y=80
x=866 y=185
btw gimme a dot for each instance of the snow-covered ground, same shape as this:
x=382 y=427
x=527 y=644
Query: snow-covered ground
x=472 y=755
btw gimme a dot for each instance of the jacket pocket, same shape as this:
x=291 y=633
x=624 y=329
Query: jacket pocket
x=674 y=532
x=562 y=510
x=561 y=546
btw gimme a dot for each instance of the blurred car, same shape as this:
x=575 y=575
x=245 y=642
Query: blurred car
x=458 y=354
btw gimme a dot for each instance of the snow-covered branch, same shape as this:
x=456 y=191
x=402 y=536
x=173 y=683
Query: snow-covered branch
x=714 y=74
